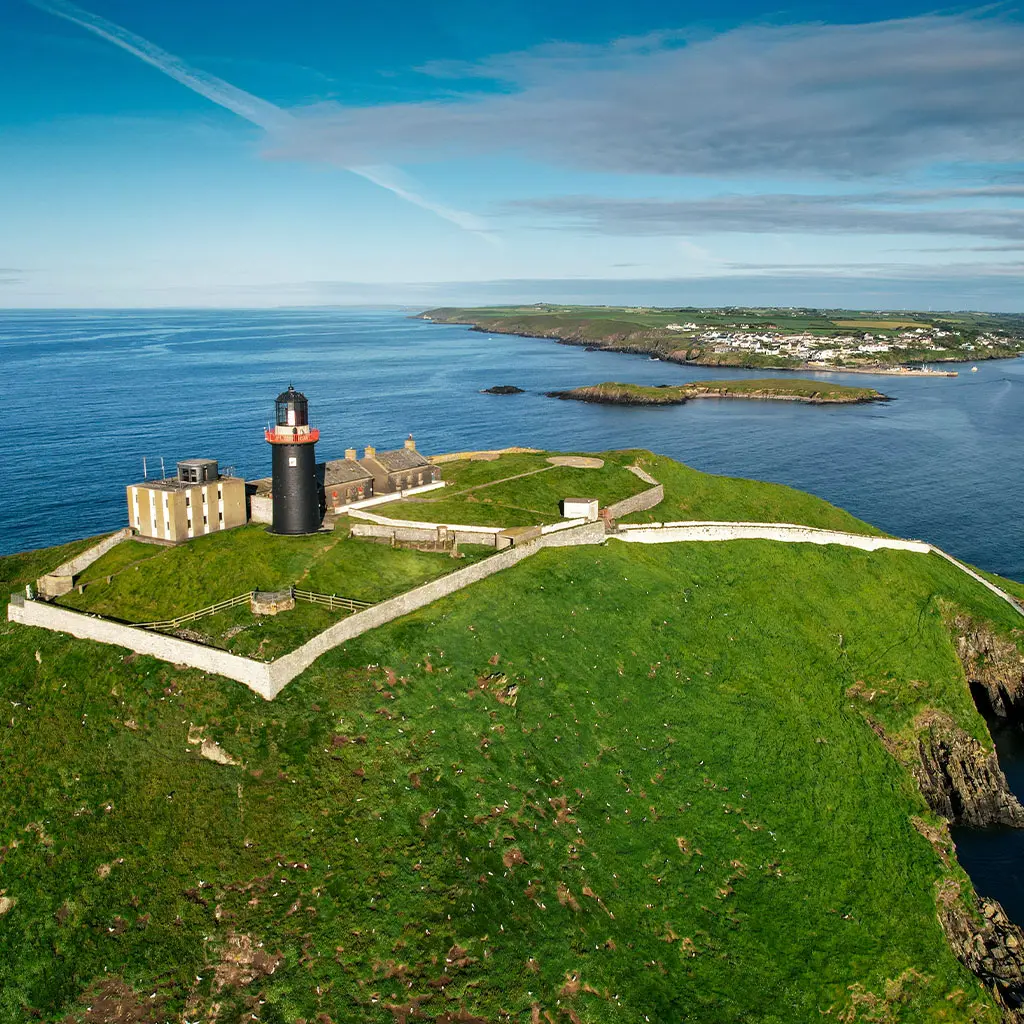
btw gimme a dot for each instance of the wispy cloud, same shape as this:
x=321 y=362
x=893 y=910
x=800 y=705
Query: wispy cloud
x=279 y=124
x=833 y=100
x=878 y=213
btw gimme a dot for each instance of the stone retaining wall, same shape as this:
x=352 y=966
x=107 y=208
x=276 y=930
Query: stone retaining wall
x=639 y=502
x=589 y=533
x=261 y=509
x=62 y=579
x=268 y=680
x=290 y=665
x=672 y=533
x=254 y=674
x=426 y=533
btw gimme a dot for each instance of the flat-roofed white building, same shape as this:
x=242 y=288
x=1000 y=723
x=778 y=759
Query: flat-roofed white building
x=195 y=502
x=580 y=508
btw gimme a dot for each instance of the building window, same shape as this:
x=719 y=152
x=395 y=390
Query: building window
x=204 y=521
x=221 y=516
x=188 y=501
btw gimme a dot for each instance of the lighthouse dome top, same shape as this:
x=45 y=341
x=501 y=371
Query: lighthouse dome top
x=291 y=395
x=292 y=408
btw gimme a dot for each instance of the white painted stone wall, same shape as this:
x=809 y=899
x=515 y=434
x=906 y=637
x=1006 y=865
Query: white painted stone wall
x=269 y=679
x=254 y=674
x=261 y=509
x=1011 y=601
x=639 y=502
x=383 y=499
x=789 y=533
x=481 y=531
x=62 y=579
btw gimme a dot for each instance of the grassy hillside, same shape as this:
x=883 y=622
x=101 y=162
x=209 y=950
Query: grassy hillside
x=690 y=494
x=149 y=583
x=514 y=490
x=610 y=784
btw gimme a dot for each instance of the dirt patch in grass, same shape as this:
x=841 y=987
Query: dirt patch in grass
x=242 y=962
x=576 y=461
x=113 y=1001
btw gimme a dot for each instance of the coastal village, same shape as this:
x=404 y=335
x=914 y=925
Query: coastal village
x=813 y=349
x=841 y=340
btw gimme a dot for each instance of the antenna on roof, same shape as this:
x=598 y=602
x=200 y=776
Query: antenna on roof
x=145 y=476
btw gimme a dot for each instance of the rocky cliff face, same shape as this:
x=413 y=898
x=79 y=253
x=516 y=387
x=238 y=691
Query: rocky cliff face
x=985 y=941
x=959 y=778
x=994 y=667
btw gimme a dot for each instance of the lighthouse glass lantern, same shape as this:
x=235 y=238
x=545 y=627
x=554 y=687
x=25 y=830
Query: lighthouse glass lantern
x=295 y=489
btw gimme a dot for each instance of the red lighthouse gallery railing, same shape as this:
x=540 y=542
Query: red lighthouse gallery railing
x=275 y=438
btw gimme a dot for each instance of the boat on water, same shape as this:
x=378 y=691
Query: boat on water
x=974 y=369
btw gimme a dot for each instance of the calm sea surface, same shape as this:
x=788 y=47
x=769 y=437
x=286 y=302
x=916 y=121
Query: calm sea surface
x=88 y=394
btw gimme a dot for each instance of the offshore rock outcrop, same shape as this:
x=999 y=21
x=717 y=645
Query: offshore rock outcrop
x=994 y=667
x=959 y=778
x=987 y=943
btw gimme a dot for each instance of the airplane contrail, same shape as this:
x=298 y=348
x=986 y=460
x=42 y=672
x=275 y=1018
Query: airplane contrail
x=266 y=115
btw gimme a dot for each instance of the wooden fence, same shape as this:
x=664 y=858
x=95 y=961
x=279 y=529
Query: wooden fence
x=181 y=620
x=331 y=601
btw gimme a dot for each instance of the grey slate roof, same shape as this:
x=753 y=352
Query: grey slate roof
x=401 y=459
x=344 y=471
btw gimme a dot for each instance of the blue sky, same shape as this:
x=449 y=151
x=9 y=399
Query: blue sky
x=193 y=154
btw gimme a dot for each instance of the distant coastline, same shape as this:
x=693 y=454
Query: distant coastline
x=897 y=344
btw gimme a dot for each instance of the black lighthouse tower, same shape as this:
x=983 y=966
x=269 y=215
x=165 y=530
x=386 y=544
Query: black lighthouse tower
x=295 y=488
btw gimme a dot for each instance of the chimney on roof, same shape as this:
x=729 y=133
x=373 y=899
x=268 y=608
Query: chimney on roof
x=410 y=443
x=370 y=452
x=350 y=455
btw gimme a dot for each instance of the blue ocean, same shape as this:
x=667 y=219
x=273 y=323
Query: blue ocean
x=90 y=394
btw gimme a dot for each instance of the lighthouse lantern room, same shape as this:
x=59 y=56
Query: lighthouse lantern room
x=296 y=493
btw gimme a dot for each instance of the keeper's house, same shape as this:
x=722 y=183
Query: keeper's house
x=398 y=470
x=195 y=502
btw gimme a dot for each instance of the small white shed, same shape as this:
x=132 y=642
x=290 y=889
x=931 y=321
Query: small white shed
x=580 y=508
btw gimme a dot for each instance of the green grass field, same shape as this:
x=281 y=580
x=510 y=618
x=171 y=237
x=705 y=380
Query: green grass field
x=151 y=583
x=484 y=493
x=690 y=494
x=609 y=784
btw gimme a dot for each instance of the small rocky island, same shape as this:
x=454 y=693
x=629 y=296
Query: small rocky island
x=763 y=388
x=503 y=389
